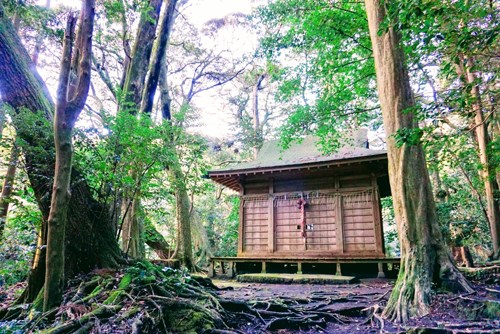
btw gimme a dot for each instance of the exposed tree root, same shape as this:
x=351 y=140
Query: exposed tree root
x=146 y=298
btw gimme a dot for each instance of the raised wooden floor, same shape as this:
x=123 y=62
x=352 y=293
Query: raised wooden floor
x=295 y=279
x=230 y=263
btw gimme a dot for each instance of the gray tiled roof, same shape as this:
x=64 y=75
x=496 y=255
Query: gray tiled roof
x=271 y=155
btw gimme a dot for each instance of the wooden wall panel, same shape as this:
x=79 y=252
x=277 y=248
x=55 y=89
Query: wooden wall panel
x=355 y=182
x=358 y=222
x=321 y=214
x=255 y=230
x=287 y=221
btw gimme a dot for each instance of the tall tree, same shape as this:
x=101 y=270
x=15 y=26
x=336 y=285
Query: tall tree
x=424 y=254
x=72 y=92
x=134 y=88
x=90 y=241
x=8 y=184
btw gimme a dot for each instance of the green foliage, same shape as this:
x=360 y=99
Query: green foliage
x=391 y=240
x=409 y=136
x=132 y=145
x=327 y=71
x=19 y=243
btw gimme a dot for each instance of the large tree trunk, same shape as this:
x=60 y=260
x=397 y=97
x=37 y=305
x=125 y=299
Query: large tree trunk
x=424 y=253
x=90 y=242
x=10 y=175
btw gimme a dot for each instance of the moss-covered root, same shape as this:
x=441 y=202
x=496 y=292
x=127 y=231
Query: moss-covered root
x=70 y=326
x=408 y=298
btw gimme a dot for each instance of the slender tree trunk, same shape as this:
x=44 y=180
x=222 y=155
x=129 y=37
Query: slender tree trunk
x=71 y=97
x=482 y=139
x=2 y=118
x=90 y=242
x=184 y=247
x=133 y=229
x=423 y=250
x=255 y=111
x=160 y=48
x=7 y=188
x=158 y=73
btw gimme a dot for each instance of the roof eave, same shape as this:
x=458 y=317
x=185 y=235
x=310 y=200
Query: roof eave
x=271 y=169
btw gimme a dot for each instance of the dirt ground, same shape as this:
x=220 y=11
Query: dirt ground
x=356 y=308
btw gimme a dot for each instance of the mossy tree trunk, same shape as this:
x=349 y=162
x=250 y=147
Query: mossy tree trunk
x=424 y=253
x=90 y=241
x=10 y=175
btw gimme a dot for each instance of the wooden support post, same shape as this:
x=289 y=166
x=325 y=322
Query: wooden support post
x=377 y=219
x=339 y=270
x=381 y=273
x=263 y=271
x=270 y=221
x=222 y=269
x=241 y=230
x=339 y=221
x=230 y=271
x=299 y=268
x=211 y=269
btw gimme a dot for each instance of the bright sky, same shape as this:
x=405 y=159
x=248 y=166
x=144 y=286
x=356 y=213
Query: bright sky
x=214 y=119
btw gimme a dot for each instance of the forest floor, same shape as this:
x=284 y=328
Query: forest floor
x=356 y=308
x=150 y=299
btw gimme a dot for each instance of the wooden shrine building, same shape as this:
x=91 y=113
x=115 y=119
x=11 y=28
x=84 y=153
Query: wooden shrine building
x=301 y=206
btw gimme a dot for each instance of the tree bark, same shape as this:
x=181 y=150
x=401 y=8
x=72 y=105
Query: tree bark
x=90 y=242
x=424 y=254
x=135 y=75
x=160 y=48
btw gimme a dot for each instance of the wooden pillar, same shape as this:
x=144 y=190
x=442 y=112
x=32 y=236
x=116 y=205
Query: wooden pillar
x=339 y=270
x=377 y=219
x=241 y=230
x=270 y=226
x=222 y=269
x=299 y=268
x=338 y=220
x=381 y=273
x=263 y=271
x=230 y=271
x=211 y=269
